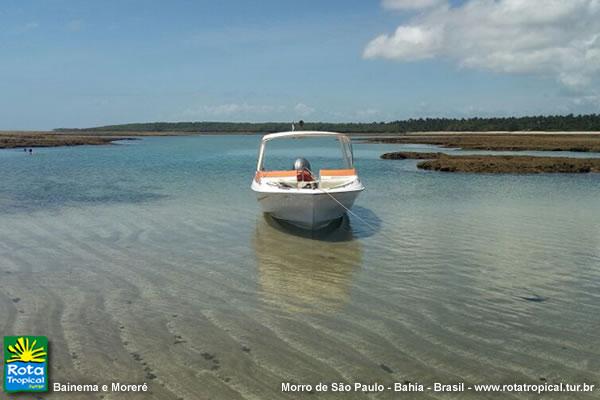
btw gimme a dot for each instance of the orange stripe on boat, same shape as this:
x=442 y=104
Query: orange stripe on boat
x=275 y=174
x=338 y=172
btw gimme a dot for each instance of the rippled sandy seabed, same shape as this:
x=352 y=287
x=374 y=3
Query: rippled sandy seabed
x=150 y=262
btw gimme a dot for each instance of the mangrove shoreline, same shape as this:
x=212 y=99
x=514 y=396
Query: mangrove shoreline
x=497 y=164
x=502 y=141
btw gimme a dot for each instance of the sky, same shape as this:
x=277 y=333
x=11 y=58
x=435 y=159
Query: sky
x=81 y=63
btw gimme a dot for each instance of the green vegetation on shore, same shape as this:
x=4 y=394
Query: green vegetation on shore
x=554 y=123
x=498 y=164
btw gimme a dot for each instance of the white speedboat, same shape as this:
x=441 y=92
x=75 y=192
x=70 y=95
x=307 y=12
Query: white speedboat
x=299 y=195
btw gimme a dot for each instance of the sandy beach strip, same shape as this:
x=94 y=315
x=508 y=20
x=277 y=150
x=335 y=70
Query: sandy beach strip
x=18 y=139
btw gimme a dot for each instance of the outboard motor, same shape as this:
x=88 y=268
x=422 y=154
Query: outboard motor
x=302 y=167
x=301 y=164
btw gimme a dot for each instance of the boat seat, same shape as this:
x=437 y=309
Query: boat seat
x=338 y=172
x=281 y=176
x=335 y=177
x=328 y=178
x=276 y=174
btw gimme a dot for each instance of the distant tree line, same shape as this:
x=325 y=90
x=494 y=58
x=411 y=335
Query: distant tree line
x=590 y=122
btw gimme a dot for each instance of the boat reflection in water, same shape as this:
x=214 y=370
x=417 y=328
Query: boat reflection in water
x=303 y=271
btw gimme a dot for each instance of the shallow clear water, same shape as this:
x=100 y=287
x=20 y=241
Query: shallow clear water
x=150 y=261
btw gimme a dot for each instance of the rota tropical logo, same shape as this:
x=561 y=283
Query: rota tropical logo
x=25 y=364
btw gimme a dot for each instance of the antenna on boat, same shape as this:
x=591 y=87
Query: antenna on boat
x=300 y=124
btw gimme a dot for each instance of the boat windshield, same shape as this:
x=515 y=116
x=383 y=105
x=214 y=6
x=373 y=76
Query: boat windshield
x=320 y=152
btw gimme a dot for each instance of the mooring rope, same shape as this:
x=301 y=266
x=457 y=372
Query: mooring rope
x=349 y=210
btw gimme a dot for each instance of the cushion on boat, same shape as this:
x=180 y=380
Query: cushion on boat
x=331 y=178
x=337 y=172
x=275 y=174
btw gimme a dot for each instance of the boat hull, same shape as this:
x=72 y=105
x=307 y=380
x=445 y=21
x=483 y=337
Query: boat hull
x=307 y=210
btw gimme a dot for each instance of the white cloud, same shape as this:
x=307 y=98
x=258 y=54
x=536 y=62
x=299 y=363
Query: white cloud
x=30 y=26
x=247 y=111
x=368 y=113
x=408 y=43
x=27 y=27
x=410 y=4
x=555 y=38
x=589 y=102
x=230 y=109
x=75 y=25
x=303 y=110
